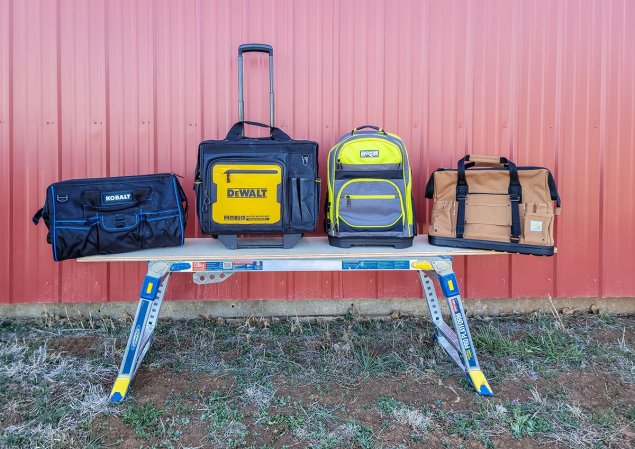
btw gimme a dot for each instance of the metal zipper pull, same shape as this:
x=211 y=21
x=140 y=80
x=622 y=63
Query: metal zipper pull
x=348 y=200
x=227 y=173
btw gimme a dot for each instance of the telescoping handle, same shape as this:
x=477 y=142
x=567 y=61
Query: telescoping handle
x=260 y=48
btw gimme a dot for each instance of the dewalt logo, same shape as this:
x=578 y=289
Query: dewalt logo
x=246 y=193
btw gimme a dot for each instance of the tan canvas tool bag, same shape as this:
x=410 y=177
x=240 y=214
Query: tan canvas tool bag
x=489 y=203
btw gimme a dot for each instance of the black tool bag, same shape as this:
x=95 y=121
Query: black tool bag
x=113 y=215
x=257 y=186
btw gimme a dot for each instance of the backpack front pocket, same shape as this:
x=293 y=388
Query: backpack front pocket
x=367 y=204
x=246 y=193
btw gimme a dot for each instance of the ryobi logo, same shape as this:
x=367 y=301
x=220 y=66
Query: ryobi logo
x=116 y=197
x=246 y=193
x=369 y=153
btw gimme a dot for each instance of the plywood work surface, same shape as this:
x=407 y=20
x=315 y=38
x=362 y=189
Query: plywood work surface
x=307 y=248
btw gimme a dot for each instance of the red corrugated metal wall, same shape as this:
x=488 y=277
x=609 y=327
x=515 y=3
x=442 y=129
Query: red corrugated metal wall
x=97 y=88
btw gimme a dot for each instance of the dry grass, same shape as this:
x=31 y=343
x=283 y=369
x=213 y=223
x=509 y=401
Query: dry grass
x=560 y=382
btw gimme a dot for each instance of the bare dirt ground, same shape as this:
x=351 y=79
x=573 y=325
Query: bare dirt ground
x=345 y=383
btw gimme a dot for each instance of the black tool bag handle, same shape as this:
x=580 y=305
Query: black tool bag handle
x=259 y=48
x=514 y=191
x=236 y=132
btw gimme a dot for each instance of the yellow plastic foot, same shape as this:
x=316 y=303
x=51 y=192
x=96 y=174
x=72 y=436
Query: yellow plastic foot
x=479 y=382
x=119 y=389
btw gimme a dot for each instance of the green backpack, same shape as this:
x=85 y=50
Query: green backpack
x=369 y=200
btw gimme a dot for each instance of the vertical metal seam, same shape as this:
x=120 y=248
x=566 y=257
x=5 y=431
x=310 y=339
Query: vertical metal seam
x=11 y=30
x=153 y=13
x=60 y=156
x=424 y=162
x=201 y=75
x=560 y=30
x=468 y=122
x=605 y=14
x=513 y=113
x=107 y=120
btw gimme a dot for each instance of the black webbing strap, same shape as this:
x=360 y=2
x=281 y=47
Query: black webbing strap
x=515 y=195
x=38 y=215
x=514 y=191
x=461 y=195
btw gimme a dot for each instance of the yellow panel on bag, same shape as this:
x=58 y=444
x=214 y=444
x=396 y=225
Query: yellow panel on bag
x=247 y=193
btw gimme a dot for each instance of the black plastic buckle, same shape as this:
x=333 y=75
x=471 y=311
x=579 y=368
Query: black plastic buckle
x=514 y=239
x=515 y=194
x=461 y=192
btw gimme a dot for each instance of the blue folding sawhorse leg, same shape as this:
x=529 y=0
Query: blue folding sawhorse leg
x=458 y=342
x=154 y=284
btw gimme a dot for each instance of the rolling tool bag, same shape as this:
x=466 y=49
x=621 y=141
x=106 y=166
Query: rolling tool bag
x=256 y=186
x=113 y=215
x=369 y=200
x=498 y=206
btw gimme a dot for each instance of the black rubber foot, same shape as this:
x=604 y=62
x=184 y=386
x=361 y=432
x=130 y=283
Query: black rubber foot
x=349 y=242
x=520 y=248
x=233 y=241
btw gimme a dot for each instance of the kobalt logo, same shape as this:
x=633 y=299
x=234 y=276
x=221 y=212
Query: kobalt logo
x=246 y=193
x=369 y=153
x=120 y=197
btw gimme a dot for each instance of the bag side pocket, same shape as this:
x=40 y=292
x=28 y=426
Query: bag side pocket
x=538 y=225
x=442 y=223
x=75 y=239
x=119 y=232
x=303 y=203
x=161 y=230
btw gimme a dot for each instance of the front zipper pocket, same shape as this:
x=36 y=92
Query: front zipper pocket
x=245 y=192
x=235 y=171
x=367 y=204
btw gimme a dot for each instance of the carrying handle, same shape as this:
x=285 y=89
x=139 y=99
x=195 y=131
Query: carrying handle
x=514 y=182
x=259 y=48
x=493 y=161
x=376 y=128
x=236 y=131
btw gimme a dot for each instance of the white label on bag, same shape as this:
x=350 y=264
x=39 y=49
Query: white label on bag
x=369 y=153
x=535 y=226
x=116 y=198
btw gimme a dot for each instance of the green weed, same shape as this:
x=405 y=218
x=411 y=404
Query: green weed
x=552 y=346
x=219 y=411
x=363 y=435
x=607 y=319
x=144 y=419
x=388 y=404
x=524 y=420
x=491 y=340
